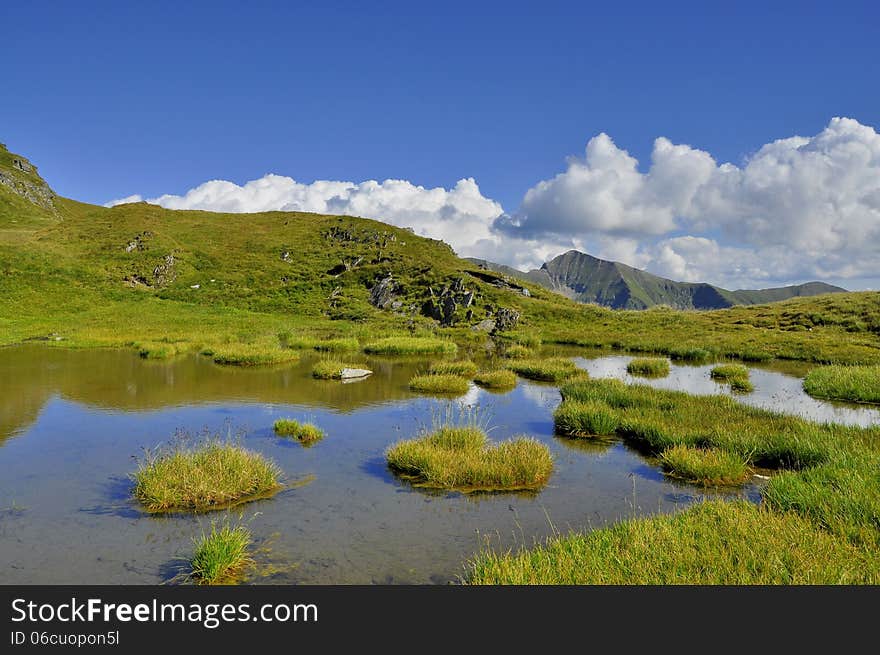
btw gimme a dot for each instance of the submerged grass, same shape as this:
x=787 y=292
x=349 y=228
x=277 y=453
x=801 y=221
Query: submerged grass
x=705 y=466
x=410 y=346
x=713 y=543
x=518 y=351
x=497 y=379
x=306 y=433
x=463 y=368
x=212 y=475
x=221 y=556
x=552 y=369
x=652 y=367
x=859 y=384
x=736 y=375
x=439 y=384
x=463 y=458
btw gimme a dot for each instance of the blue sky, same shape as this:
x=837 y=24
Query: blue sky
x=113 y=99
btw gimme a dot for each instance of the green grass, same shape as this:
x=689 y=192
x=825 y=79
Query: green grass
x=306 y=433
x=497 y=379
x=157 y=349
x=331 y=369
x=705 y=466
x=736 y=375
x=336 y=345
x=860 y=384
x=211 y=475
x=518 y=351
x=250 y=354
x=553 y=369
x=439 y=384
x=221 y=556
x=410 y=346
x=463 y=368
x=718 y=542
x=585 y=419
x=652 y=367
x=463 y=458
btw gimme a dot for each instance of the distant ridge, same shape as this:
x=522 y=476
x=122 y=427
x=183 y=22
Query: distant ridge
x=588 y=279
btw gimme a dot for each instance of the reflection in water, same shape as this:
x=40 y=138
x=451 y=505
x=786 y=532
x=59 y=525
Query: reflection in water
x=82 y=417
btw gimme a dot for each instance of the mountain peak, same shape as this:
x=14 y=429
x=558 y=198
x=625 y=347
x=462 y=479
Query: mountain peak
x=20 y=176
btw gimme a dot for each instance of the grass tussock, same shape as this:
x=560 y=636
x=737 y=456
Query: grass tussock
x=518 y=351
x=463 y=458
x=497 y=379
x=553 y=369
x=439 y=384
x=736 y=375
x=585 y=419
x=411 y=346
x=860 y=384
x=306 y=433
x=221 y=556
x=716 y=542
x=706 y=466
x=651 y=367
x=212 y=475
x=331 y=369
x=463 y=368
x=250 y=354
x=157 y=349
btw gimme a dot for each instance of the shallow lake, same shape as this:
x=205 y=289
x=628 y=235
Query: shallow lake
x=74 y=422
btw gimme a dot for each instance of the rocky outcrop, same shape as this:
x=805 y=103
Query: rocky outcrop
x=443 y=305
x=383 y=294
x=506 y=319
x=21 y=177
x=164 y=273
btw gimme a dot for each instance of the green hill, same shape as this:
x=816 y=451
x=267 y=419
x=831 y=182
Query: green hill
x=585 y=278
x=82 y=275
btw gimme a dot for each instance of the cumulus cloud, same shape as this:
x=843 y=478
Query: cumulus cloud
x=691 y=218
x=461 y=216
x=799 y=208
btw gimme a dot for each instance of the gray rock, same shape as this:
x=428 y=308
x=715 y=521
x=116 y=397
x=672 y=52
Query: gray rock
x=526 y=293
x=383 y=293
x=353 y=373
x=397 y=304
x=506 y=319
x=486 y=325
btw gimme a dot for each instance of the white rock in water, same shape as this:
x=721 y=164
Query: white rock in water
x=350 y=373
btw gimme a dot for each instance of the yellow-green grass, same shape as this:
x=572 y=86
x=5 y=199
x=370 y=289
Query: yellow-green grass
x=306 y=433
x=736 y=375
x=552 y=369
x=715 y=542
x=331 y=369
x=585 y=419
x=860 y=384
x=463 y=458
x=336 y=345
x=518 y=351
x=651 y=367
x=410 y=346
x=250 y=354
x=439 y=384
x=221 y=556
x=211 y=475
x=463 y=368
x=706 y=466
x=497 y=379
x=157 y=349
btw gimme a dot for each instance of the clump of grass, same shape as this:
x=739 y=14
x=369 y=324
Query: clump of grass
x=440 y=384
x=411 y=346
x=463 y=368
x=250 y=354
x=463 y=458
x=211 y=475
x=859 y=384
x=585 y=419
x=330 y=369
x=518 y=351
x=650 y=367
x=498 y=379
x=691 y=354
x=709 y=466
x=553 y=369
x=221 y=556
x=156 y=349
x=736 y=375
x=713 y=543
x=336 y=345
x=306 y=433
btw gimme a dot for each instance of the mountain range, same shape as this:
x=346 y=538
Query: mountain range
x=588 y=279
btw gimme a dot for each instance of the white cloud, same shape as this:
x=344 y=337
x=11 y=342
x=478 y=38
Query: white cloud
x=124 y=201
x=461 y=216
x=799 y=208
